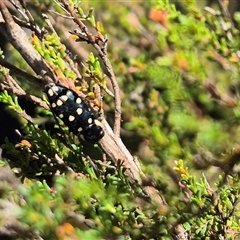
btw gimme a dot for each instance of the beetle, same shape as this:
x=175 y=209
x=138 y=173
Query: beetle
x=75 y=113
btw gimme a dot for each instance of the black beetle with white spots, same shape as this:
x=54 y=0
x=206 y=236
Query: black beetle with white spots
x=75 y=113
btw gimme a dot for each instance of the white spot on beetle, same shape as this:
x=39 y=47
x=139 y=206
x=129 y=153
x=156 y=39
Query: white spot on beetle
x=90 y=120
x=54 y=105
x=55 y=88
x=78 y=100
x=64 y=98
x=79 y=111
x=50 y=92
x=71 y=118
x=59 y=102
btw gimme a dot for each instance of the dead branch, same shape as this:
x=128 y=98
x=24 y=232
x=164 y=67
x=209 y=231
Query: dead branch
x=102 y=51
x=18 y=38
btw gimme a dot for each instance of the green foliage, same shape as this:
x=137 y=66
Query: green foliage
x=216 y=209
x=54 y=52
x=178 y=70
x=11 y=102
x=76 y=195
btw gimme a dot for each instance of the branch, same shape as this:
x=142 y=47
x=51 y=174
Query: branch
x=18 y=38
x=11 y=227
x=116 y=150
x=14 y=88
x=102 y=50
x=225 y=12
x=18 y=72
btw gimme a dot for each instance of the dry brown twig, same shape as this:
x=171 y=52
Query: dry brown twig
x=18 y=38
x=102 y=50
x=223 y=6
x=111 y=143
x=11 y=86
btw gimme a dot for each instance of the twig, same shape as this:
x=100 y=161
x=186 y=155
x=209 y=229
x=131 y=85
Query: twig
x=29 y=20
x=18 y=72
x=22 y=93
x=11 y=227
x=102 y=53
x=108 y=91
x=116 y=150
x=67 y=58
x=225 y=12
x=13 y=87
x=19 y=40
x=19 y=10
x=80 y=221
x=60 y=161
